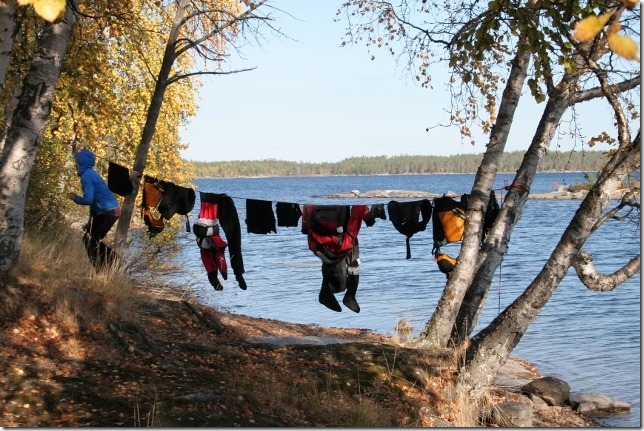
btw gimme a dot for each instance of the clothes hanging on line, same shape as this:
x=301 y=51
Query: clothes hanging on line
x=449 y=226
x=288 y=214
x=152 y=194
x=162 y=200
x=176 y=200
x=378 y=211
x=410 y=218
x=332 y=235
x=119 y=180
x=218 y=210
x=260 y=218
x=449 y=220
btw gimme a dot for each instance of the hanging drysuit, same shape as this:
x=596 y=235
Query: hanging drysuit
x=405 y=217
x=332 y=233
x=218 y=210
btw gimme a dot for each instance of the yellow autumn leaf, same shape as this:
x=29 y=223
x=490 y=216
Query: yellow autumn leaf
x=623 y=46
x=589 y=27
x=49 y=10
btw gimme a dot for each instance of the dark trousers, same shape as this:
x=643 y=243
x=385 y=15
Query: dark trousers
x=100 y=254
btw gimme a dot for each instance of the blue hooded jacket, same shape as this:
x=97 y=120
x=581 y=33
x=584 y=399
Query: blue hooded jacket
x=96 y=194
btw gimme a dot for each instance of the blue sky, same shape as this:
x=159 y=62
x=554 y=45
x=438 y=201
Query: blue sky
x=310 y=100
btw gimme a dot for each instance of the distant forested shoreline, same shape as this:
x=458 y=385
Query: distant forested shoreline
x=577 y=161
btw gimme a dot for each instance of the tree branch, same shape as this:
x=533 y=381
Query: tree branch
x=593 y=93
x=247 y=15
x=594 y=280
x=629 y=199
x=188 y=75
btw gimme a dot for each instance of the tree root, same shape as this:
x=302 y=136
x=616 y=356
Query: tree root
x=212 y=326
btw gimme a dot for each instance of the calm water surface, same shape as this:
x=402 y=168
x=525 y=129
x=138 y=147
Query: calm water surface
x=589 y=339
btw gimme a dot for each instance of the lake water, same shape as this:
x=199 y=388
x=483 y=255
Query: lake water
x=589 y=339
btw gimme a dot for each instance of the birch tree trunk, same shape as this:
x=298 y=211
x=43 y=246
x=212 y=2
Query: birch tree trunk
x=489 y=348
x=496 y=244
x=29 y=119
x=154 y=109
x=439 y=328
x=7 y=34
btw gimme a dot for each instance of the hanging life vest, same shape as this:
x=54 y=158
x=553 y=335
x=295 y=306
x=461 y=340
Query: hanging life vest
x=162 y=200
x=405 y=218
x=446 y=263
x=152 y=194
x=449 y=225
x=449 y=219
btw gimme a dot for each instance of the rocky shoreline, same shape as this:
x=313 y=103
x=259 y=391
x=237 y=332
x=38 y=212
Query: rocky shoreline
x=561 y=193
x=526 y=394
x=521 y=396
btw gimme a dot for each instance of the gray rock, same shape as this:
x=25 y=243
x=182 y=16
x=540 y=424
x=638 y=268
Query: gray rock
x=512 y=414
x=290 y=341
x=512 y=375
x=537 y=400
x=552 y=390
x=598 y=404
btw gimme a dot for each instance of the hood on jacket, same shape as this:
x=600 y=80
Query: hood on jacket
x=85 y=160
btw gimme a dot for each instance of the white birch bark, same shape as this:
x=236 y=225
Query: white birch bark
x=29 y=119
x=7 y=34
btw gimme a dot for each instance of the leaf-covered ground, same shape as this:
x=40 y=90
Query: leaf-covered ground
x=174 y=363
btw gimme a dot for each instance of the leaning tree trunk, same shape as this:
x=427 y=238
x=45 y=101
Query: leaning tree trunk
x=154 y=109
x=496 y=243
x=7 y=34
x=29 y=119
x=438 y=330
x=492 y=346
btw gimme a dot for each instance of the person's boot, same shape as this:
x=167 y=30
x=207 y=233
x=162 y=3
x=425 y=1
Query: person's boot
x=241 y=281
x=212 y=278
x=350 y=297
x=327 y=298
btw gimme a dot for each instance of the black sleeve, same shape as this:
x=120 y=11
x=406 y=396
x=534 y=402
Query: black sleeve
x=229 y=221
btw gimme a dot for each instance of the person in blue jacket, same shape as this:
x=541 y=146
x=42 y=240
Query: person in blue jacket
x=104 y=210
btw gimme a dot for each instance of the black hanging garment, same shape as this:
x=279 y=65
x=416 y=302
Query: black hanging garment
x=162 y=200
x=218 y=210
x=118 y=179
x=378 y=211
x=332 y=233
x=176 y=200
x=405 y=217
x=491 y=213
x=288 y=214
x=260 y=218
